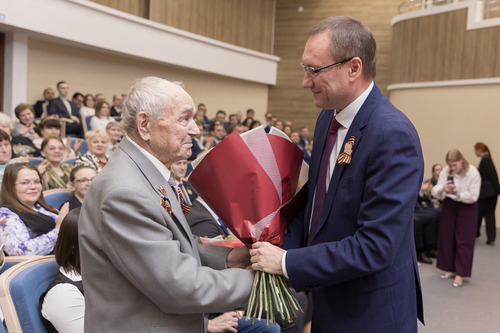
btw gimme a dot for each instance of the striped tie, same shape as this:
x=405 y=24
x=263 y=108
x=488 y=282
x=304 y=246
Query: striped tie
x=185 y=208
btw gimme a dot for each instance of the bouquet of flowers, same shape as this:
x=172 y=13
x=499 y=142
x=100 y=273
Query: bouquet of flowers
x=251 y=182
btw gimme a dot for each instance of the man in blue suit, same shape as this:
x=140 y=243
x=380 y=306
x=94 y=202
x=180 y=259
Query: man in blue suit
x=352 y=244
x=66 y=110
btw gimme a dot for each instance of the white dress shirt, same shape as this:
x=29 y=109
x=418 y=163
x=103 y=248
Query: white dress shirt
x=468 y=185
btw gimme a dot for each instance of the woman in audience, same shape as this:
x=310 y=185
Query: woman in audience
x=26 y=126
x=102 y=117
x=115 y=133
x=63 y=303
x=436 y=170
x=87 y=108
x=5 y=153
x=458 y=186
x=55 y=173
x=21 y=145
x=79 y=181
x=97 y=143
x=51 y=126
x=32 y=225
x=488 y=196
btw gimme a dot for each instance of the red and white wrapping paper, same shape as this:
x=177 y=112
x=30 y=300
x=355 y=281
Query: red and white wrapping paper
x=249 y=181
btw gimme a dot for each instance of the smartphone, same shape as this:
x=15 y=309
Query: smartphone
x=449 y=179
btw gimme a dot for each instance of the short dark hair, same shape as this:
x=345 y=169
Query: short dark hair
x=50 y=122
x=60 y=82
x=77 y=94
x=67 y=250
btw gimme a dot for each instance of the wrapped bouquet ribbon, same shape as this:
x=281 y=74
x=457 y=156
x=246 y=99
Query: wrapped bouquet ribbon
x=251 y=182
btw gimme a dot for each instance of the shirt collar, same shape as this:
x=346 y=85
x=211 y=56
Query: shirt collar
x=347 y=115
x=156 y=162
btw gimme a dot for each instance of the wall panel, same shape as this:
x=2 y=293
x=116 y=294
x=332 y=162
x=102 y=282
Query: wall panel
x=440 y=48
x=135 y=7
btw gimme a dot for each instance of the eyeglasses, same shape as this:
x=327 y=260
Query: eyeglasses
x=83 y=180
x=35 y=182
x=314 y=72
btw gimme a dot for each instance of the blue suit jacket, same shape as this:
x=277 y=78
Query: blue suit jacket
x=362 y=266
x=56 y=107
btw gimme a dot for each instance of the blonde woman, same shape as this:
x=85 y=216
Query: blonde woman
x=458 y=186
x=95 y=157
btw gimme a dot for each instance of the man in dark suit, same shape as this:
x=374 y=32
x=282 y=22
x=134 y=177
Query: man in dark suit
x=66 y=110
x=116 y=109
x=352 y=244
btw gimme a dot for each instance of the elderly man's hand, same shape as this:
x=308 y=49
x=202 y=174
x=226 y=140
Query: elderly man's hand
x=266 y=257
x=238 y=258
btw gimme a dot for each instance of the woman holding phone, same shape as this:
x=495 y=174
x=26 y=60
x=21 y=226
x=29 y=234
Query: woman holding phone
x=458 y=186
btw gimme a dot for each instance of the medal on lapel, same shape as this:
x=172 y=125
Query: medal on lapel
x=164 y=201
x=345 y=157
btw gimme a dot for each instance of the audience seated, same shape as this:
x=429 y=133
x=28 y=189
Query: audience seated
x=32 y=225
x=40 y=106
x=52 y=127
x=5 y=153
x=67 y=111
x=436 y=170
x=198 y=143
x=78 y=99
x=287 y=129
x=102 y=117
x=80 y=178
x=62 y=305
x=95 y=157
x=304 y=136
x=116 y=109
x=87 y=109
x=21 y=145
x=26 y=126
x=115 y=133
x=250 y=115
x=255 y=124
x=55 y=173
x=294 y=136
x=202 y=108
x=215 y=134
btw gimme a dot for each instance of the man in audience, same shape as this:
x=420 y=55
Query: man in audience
x=66 y=110
x=40 y=106
x=116 y=109
x=215 y=135
x=99 y=97
x=141 y=266
x=198 y=144
x=203 y=109
x=78 y=99
x=294 y=136
x=304 y=136
x=250 y=114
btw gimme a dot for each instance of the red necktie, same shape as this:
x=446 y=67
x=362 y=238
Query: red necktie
x=319 y=200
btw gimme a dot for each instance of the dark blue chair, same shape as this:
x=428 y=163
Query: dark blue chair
x=20 y=290
x=57 y=197
x=35 y=160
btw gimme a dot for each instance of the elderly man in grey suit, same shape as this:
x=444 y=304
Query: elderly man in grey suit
x=142 y=269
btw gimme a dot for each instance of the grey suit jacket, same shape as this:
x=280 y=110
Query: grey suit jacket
x=142 y=269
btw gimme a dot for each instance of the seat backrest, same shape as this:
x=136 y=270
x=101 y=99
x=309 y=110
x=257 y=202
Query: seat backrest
x=86 y=124
x=20 y=290
x=56 y=197
x=35 y=160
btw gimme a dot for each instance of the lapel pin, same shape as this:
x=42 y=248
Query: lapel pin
x=345 y=157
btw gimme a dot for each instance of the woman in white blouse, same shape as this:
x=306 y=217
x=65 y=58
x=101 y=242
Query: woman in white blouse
x=101 y=118
x=458 y=186
x=63 y=303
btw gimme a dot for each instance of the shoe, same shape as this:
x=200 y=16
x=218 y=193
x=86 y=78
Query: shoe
x=448 y=276
x=431 y=253
x=457 y=284
x=421 y=257
x=490 y=243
